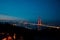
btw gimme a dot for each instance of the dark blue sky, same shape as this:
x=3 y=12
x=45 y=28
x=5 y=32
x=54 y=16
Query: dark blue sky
x=48 y=10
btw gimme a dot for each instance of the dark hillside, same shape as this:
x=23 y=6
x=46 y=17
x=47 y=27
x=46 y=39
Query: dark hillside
x=48 y=33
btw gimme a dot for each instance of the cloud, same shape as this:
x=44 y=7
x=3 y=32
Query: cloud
x=6 y=17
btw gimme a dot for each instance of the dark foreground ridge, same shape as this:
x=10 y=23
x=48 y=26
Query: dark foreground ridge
x=45 y=34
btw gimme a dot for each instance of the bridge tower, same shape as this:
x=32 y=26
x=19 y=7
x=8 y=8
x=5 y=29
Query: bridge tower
x=39 y=23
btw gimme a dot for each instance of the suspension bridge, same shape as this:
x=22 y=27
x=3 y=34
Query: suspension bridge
x=39 y=24
x=25 y=23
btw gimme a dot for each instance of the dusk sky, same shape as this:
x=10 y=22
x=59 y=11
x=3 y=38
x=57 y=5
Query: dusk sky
x=48 y=10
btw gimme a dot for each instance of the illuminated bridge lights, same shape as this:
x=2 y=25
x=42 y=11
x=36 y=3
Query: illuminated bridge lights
x=14 y=24
x=25 y=24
